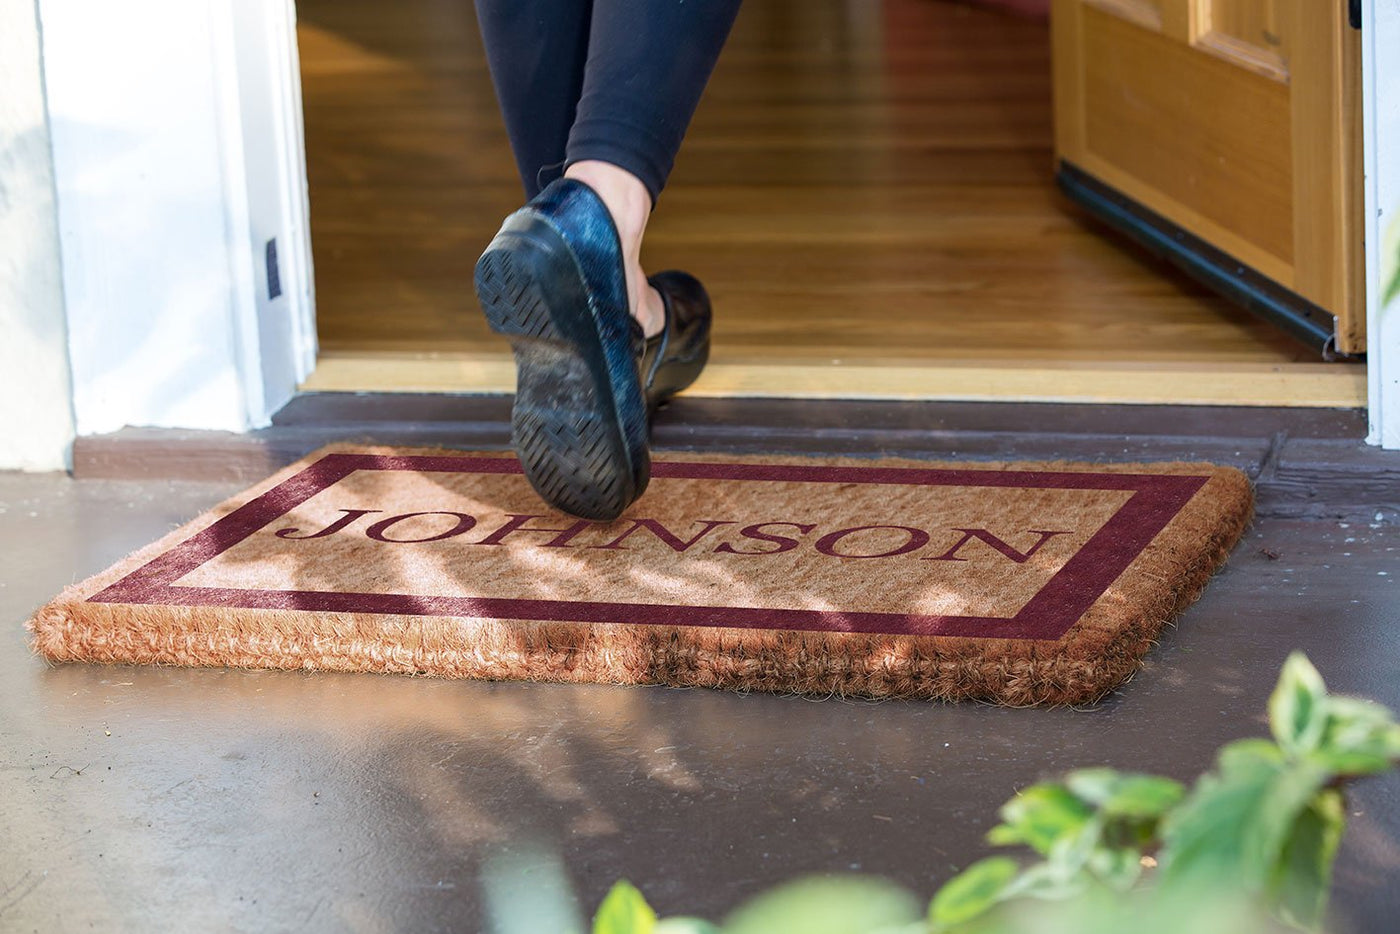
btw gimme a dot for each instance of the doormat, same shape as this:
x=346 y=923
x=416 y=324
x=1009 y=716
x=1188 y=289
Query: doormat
x=1020 y=583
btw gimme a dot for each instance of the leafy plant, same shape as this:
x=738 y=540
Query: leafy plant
x=1249 y=848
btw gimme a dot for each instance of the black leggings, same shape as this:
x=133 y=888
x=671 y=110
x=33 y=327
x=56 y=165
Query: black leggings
x=614 y=80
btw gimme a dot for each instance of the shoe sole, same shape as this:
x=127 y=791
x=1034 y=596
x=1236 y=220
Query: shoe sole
x=566 y=426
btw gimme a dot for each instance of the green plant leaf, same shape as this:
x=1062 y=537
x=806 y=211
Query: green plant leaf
x=1119 y=868
x=1217 y=909
x=624 y=911
x=972 y=892
x=826 y=905
x=1355 y=713
x=1004 y=835
x=685 y=926
x=1283 y=799
x=1071 y=851
x=1095 y=786
x=1203 y=836
x=1046 y=882
x=1302 y=876
x=1144 y=796
x=1297 y=709
x=1235 y=821
x=1039 y=816
x=1360 y=738
x=1352 y=764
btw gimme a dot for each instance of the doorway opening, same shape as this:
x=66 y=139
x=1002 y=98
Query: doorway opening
x=867 y=191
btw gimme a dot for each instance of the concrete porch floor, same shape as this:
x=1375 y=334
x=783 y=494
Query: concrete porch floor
x=193 y=800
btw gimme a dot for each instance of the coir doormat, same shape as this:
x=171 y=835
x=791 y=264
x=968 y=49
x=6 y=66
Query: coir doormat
x=1021 y=583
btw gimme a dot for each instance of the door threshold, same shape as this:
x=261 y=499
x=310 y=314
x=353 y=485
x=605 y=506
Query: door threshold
x=1172 y=382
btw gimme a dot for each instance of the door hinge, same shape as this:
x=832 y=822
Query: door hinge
x=1354 y=13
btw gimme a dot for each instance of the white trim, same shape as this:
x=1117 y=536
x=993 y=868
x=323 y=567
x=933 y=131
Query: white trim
x=237 y=183
x=298 y=199
x=176 y=128
x=1381 y=122
x=36 y=399
x=274 y=181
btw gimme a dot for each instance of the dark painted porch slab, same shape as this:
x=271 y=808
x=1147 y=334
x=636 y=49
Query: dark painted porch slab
x=182 y=800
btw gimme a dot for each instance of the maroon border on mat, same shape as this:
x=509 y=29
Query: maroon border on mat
x=1156 y=499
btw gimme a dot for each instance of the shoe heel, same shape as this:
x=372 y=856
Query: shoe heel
x=508 y=288
x=566 y=428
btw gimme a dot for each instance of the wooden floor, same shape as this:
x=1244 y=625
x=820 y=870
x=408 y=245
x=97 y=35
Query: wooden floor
x=866 y=191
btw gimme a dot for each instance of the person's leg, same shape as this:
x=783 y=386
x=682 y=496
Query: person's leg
x=562 y=278
x=608 y=88
x=536 y=51
x=648 y=63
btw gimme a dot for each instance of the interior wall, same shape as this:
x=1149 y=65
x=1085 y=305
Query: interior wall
x=36 y=403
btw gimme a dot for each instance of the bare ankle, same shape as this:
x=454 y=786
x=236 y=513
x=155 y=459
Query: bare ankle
x=629 y=203
x=651 y=312
x=627 y=199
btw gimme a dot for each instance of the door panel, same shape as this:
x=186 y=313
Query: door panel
x=1146 y=13
x=1247 y=33
x=1235 y=120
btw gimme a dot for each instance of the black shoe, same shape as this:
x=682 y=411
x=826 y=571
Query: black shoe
x=553 y=282
x=674 y=358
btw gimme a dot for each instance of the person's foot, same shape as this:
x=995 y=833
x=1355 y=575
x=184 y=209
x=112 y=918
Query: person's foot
x=629 y=203
x=675 y=356
x=553 y=282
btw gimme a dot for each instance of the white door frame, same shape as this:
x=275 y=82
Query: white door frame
x=36 y=404
x=1380 y=76
x=178 y=156
x=178 y=159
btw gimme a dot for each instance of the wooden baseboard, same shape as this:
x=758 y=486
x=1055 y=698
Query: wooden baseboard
x=1306 y=385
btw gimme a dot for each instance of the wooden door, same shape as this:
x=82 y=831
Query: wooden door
x=1226 y=134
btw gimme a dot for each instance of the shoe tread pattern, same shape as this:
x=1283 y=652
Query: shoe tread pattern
x=569 y=449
